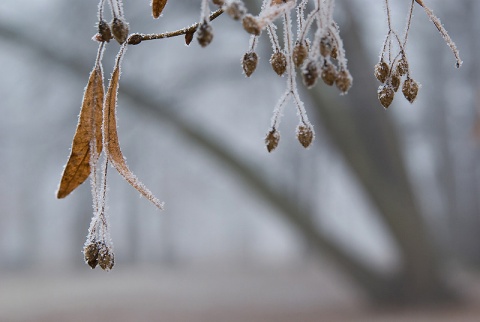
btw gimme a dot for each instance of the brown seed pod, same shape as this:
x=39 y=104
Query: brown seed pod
x=157 y=7
x=235 y=9
x=104 y=31
x=90 y=253
x=279 y=62
x=204 y=34
x=299 y=54
x=410 y=89
x=334 y=52
x=272 y=139
x=106 y=258
x=310 y=74
x=326 y=46
x=135 y=39
x=250 y=24
x=395 y=81
x=305 y=135
x=329 y=73
x=385 y=95
x=249 y=63
x=218 y=2
x=381 y=71
x=343 y=81
x=119 y=30
x=402 y=66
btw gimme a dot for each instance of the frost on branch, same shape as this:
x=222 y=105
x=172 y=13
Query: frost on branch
x=314 y=51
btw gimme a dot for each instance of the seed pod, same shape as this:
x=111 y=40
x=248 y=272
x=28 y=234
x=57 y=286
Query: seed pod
x=305 y=135
x=410 y=89
x=381 y=71
x=218 y=2
x=104 y=31
x=157 y=7
x=249 y=63
x=235 y=9
x=250 y=24
x=402 y=66
x=204 y=34
x=310 y=74
x=106 y=258
x=272 y=139
x=299 y=54
x=329 y=73
x=395 y=81
x=279 y=62
x=385 y=95
x=334 y=52
x=325 y=46
x=90 y=253
x=119 y=30
x=343 y=81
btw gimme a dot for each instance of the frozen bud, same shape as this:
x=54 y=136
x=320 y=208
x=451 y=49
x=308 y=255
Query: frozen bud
x=279 y=62
x=299 y=54
x=272 y=139
x=90 y=253
x=189 y=38
x=305 y=135
x=381 y=71
x=310 y=74
x=251 y=25
x=204 y=34
x=385 y=95
x=402 y=66
x=119 y=30
x=410 y=89
x=343 y=81
x=395 y=81
x=105 y=257
x=326 y=46
x=329 y=73
x=104 y=31
x=249 y=62
x=235 y=9
x=135 y=39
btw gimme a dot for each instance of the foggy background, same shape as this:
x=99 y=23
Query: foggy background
x=381 y=201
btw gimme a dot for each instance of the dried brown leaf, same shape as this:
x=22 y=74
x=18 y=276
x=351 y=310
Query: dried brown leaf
x=111 y=142
x=157 y=7
x=77 y=168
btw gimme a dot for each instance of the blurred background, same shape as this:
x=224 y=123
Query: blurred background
x=378 y=221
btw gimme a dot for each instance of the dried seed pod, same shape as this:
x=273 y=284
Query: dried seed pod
x=385 y=95
x=104 y=31
x=329 y=73
x=305 y=135
x=204 y=34
x=279 y=62
x=395 y=81
x=249 y=63
x=106 y=258
x=326 y=46
x=334 y=52
x=189 y=38
x=251 y=25
x=272 y=139
x=157 y=7
x=402 y=66
x=343 y=81
x=410 y=89
x=235 y=9
x=381 y=71
x=310 y=74
x=218 y=2
x=90 y=253
x=299 y=54
x=119 y=30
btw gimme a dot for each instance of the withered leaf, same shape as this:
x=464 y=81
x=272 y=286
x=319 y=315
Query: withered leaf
x=111 y=142
x=189 y=37
x=157 y=7
x=89 y=128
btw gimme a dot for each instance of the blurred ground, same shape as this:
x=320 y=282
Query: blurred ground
x=227 y=295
